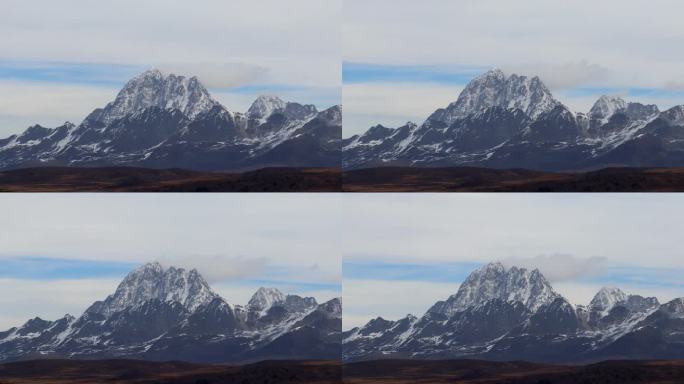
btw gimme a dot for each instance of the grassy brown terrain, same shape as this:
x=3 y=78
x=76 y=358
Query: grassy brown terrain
x=471 y=179
x=487 y=372
x=146 y=372
x=129 y=179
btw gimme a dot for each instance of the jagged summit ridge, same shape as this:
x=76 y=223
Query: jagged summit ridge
x=267 y=105
x=153 y=281
x=607 y=298
x=495 y=281
x=606 y=106
x=264 y=106
x=264 y=298
x=495 y=89
x=154 y=89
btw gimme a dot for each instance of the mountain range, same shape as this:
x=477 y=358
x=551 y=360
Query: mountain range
x=501 y=313
x=159 y=313
x=170 y=121
x=512 y=121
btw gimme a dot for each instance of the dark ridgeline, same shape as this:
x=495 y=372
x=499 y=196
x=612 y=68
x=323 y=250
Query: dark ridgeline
x=163 y=314
x=506 y=314
x=501 y=121
x=169 y=121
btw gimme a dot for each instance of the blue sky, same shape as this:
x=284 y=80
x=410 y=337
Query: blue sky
x=353 y=73
x=111 y=75
x=46 y=268
x=63 y=252
x=66 y=59
x=401 y=62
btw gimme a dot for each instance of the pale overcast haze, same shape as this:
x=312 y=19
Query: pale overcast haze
x=62 y=252
x=403 y=59
x=60 y=60
x=404 y=252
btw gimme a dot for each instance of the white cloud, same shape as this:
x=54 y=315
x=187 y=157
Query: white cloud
x=674 y=85
x=562 y=267
x=219 y=267
x=218 y=75
x=564 y=75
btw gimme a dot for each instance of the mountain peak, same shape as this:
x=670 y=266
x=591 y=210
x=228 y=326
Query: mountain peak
x=154 y=89
x=607 y=298
x=606 y=106
x=152 y=281
x=264 y=298
x=152 y=72
x=674 y=115
x=264 y=106
x=495 y=89
x=495 y=281
x=494 y=72
x=495 y=265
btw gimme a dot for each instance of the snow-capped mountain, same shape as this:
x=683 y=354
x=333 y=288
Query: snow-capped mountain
x=264 y=298
x=154 y=89
x=606 y=106
x=166 y=121
x=154 y=282
x=159 y=313
x=495 y=89
x=264 y=106
x=606 y=299
x=513 y=313
x=494 y=281
x=513 y=121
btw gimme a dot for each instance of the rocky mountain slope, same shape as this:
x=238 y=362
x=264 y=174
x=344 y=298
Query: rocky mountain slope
x=501 y=313
x=501 y=121
x=159 y=313
x=169 y=121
